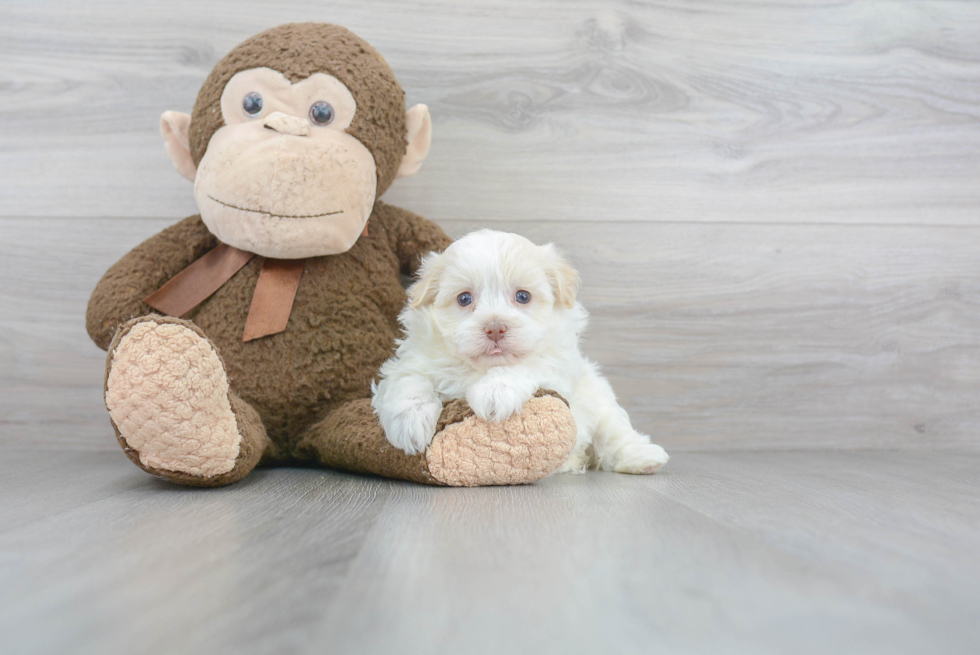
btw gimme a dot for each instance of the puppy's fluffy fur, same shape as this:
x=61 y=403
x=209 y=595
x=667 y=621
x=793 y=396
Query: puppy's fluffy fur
x=468 y=334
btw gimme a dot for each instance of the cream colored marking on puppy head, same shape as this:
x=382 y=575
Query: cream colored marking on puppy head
x=492 y=297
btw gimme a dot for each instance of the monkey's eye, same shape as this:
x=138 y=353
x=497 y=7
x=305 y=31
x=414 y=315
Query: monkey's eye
x=464 y=299
x=321 y=113
x=522 y=297
x=252 y=104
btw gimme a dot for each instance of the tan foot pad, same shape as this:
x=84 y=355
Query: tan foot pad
x=167 y=394
x=469 y=452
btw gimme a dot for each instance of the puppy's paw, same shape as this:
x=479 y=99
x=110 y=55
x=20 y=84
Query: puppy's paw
x=497 y=398
x=577 y=462
x=640 y=458
x=412 y=428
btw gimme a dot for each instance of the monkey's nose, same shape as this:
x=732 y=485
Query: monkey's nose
x=495 y=331
x=286 y=124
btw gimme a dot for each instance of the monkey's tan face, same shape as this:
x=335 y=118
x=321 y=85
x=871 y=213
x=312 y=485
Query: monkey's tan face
x=282 y=178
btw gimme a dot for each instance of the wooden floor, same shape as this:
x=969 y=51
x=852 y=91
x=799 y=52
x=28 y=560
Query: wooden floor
x=738 y=552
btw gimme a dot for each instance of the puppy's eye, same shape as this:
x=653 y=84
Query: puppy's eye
x=252 y=104
x=522 y=297
x=464 y=299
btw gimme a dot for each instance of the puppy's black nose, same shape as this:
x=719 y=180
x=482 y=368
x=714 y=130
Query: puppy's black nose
x=495 y=331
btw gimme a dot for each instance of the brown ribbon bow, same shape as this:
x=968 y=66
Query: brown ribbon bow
x=272 y=300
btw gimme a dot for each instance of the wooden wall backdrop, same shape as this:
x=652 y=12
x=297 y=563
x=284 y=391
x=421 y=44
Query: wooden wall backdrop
x=775 y=206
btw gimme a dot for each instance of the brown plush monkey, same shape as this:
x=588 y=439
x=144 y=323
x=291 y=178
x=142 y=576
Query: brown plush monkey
x=249 y=334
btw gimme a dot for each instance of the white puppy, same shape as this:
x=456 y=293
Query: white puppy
x=492 y=320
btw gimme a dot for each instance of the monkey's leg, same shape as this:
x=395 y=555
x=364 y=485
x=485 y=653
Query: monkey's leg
x=465 y=452
x=173 y=411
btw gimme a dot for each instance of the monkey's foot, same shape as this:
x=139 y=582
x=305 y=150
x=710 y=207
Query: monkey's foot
x=469 y=452
x=167 y=393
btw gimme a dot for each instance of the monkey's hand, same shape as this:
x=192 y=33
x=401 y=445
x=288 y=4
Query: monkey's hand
x=412 y=237
x=118 y=297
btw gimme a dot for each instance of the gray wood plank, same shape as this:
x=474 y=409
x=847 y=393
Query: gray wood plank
x=167 y=569
x=735 y=336
x=37 y=486
x=760 y=553
x=845 y=112
x=741 y=552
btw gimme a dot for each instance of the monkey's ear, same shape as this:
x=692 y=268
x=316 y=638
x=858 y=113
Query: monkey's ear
x=426 y=288
x=564 y=279
x=175 y=128
x=419 y=136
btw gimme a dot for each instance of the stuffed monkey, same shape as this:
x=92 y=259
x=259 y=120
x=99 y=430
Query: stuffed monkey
x=249 y=334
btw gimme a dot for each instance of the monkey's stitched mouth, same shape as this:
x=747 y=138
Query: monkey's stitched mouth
x=262 y=211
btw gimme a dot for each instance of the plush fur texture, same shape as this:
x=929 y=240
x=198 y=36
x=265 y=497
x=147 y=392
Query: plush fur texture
x=466 y=452
x=301 y=395
x=253 y=444
x=342 y=327
x=299 y=50
x=469 y=452
x=168 y=393
x=277 y=184
x=492 y=319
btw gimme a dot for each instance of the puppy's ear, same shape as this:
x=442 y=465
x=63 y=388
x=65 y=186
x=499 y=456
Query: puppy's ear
x=564 y=279
x=425 y=289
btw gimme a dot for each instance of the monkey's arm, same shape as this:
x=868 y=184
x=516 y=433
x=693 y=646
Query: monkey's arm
x=118 y=297
x=411 y=235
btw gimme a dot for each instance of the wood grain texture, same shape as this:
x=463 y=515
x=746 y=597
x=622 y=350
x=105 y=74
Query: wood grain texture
x=726 y=176
x=557 y=110
x=763 y=552
x=735 y=336
x=774 y=207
